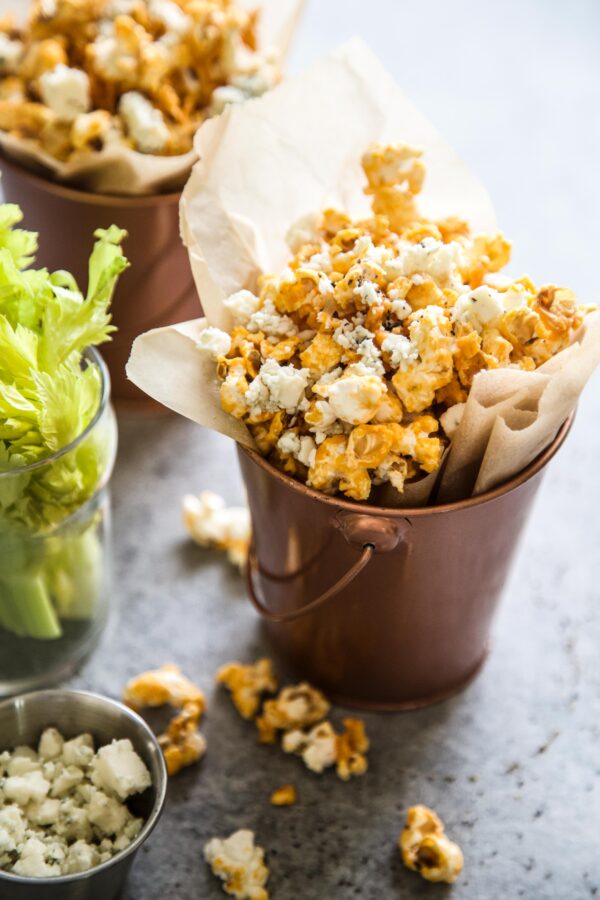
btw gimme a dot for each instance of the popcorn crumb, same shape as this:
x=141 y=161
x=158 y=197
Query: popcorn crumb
x=426 y=849
x=213 y=524
x=247 y=684
x=240 y=864
x=286 y=795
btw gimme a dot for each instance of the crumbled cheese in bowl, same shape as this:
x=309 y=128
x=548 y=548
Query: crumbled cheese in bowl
x=62 y=808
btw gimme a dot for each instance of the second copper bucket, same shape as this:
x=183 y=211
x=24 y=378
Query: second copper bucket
x=157 y=289
x=382 y=608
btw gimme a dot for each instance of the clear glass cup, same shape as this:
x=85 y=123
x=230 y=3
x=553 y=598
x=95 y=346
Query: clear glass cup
x=55 y=553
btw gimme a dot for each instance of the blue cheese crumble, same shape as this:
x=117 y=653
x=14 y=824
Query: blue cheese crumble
x=62 y=806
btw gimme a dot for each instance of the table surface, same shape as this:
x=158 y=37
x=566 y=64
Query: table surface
x=511 y=764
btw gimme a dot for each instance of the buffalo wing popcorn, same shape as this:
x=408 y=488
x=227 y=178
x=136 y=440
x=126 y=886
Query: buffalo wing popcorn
x=321 y=748
x=213 y=524
x=352 y=368
x=247 y=684
x=294 y=707
x=181 y=742
x=426 y=849
x=84 y=74
x=240 y=865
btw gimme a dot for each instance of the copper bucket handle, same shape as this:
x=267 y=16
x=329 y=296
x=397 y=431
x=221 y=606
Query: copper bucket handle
x=373 y=534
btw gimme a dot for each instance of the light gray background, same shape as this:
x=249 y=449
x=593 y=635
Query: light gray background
x=512 y=765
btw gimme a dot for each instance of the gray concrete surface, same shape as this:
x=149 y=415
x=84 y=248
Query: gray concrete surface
x=512 y=764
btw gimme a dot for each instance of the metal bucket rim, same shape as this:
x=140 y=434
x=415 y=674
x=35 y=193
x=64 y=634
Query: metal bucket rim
x=93 y=199
x=417 y=512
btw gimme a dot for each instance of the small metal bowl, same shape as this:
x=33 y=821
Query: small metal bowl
x=22 y=720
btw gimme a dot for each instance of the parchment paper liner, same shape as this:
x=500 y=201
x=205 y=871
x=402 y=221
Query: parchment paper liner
x=119 y=170
x=296 y=150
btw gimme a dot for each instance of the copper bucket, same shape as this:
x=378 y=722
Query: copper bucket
x=382 y=608
x=158 y=288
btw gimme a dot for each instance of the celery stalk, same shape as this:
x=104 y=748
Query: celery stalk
x=26 y=606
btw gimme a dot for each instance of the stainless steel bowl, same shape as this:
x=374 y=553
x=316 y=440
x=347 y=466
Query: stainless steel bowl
x=22 y=720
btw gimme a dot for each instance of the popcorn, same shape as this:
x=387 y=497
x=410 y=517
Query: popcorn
x=161 y=686
x=426 y=849
x=240 y=864
x=247 y=684
x=286 y=795
x=154 y=71
x=321 y=748
x=384 y=321
x=181 y=743
x=293 y=708
x=213 y=524
x=66 y=92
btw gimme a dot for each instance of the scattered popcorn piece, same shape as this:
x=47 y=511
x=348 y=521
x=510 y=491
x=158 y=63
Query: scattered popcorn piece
x=158 y=687
x=426 y=849
x=240 y=864
x=286 y=795
x=213 y=524
x=295 y=707
x=181 y=743
x=247 y=684
x=321 y=748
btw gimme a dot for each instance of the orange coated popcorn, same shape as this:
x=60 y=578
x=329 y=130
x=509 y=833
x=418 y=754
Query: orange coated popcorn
x=351 y=368
x=153 y=69
x=286 y=795
x=247 y=684
x=426 y=849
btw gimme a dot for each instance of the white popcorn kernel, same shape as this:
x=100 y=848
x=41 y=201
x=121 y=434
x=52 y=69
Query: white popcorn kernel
x=118 y=769
x=66 y=91
x=24 y=789
x=51 y=744
x=239 y=863
x=79 y=751
x=401 y=350
x=170 y=15
x=213 y=524
x=356 y=396
x=318 y=747
x=145 y=124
